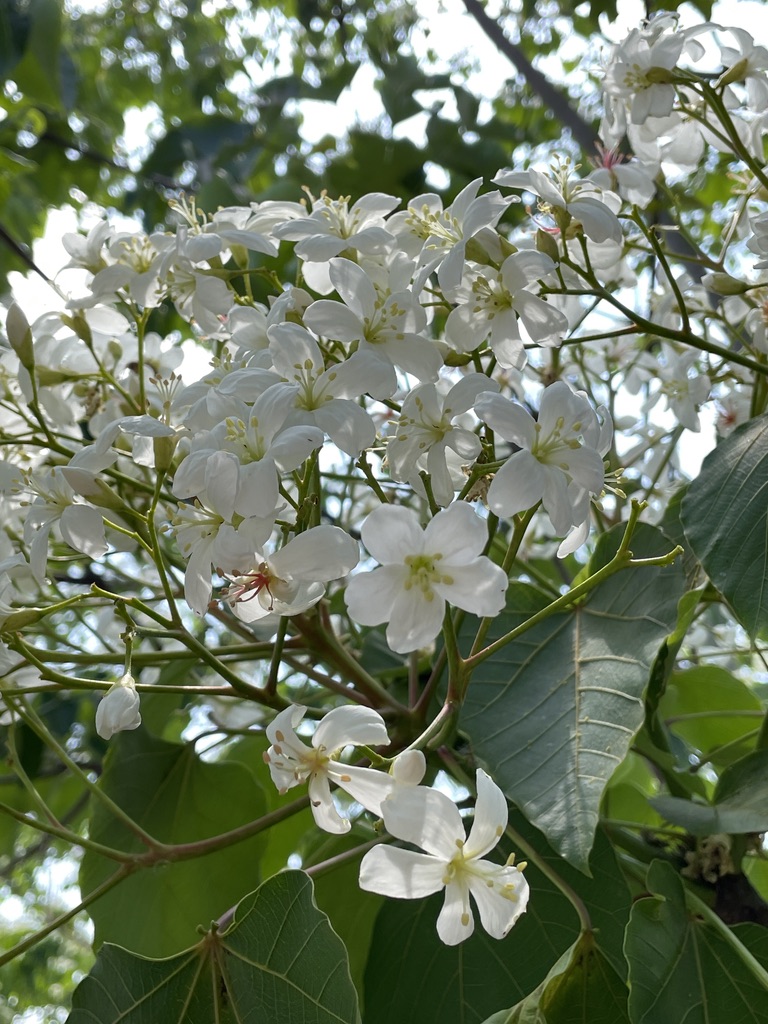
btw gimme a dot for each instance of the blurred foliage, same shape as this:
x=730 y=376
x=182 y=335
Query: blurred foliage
x=218 y=84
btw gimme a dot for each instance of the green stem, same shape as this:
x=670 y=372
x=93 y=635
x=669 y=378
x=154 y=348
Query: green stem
x=31 y=718
x=522 y=522
x=621 y=560
x=59 y=832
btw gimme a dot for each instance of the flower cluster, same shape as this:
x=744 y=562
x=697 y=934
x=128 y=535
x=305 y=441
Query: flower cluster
x=411 y=813
x=311 y=487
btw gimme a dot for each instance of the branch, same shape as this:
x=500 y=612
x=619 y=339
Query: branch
x=554 y=98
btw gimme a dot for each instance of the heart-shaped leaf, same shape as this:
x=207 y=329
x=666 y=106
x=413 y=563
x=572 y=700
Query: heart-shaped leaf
x=278 y=961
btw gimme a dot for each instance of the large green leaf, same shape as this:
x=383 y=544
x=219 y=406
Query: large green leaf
x=177 y=798
x=725 y=517
x=681 y=968
x=279 y=961
x=581 y=988
x=739 y=804
x=553 y=713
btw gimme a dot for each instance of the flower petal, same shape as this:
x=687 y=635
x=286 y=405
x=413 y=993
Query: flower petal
x=366 y=785
x=457 y=533
x=518 y=485
x=400 y=873
x=415 y=620
x=479 y=588
x=391 y=533
x=501 y=896
x=426 y=818
x=455 y=922
x=351 y=723
x=491 y=817
x=320 y=554
x=323 y=808
x=371 y=596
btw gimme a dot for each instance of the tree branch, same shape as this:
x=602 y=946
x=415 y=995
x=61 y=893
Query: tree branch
x=552 y=97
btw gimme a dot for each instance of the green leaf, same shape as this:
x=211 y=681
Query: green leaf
x=351 y=911
x=37 y=73
x=553 y=713
x=725 y=518
x=177 y=798
x=702 y=706
x=279 y=961
x=739 y=805
x=581 y=988
x=680 y=967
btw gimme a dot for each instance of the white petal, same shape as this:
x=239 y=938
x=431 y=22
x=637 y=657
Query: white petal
x=347 y=425
x=415 y=620
x=351 y=723
x=323 y=808
x=83 y=529
x=509 y=419
x=479 y=587
x=391 y=533
x=334 y=320
x=425 y=817
x=366 y=785
x=354 y=286
x=371 y=596
x=457 y=533
x=491 y=816
x=499 y=906
x=400 y=873
x=518 y=485
x=455 y=922
x=284 y=723
x=321 y=554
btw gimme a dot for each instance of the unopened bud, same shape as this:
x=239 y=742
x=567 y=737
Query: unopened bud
x=20 y=336
x=118 y=709
x=724 y=284
x=545 y=242
x=735 y=73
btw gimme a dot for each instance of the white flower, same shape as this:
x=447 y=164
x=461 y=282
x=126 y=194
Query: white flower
x=292 y=762
x=334 y=226
x=445 y=233
x=495 y=300
x=683 y=386
x=559 y=461
x=421 y=570
x=293 y=579
x=427 y=429
x=118 y=709
x=452 y=861
x=326 y=398
x=566 y=199
x=385 y=322
x=80 y=525
x=640 y=73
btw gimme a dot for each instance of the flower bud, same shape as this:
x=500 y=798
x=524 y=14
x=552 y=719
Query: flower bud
x=118 y=709
x=20 y=336
x=724 y=284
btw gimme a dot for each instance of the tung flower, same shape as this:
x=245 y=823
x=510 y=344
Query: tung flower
x=292 y=762
x=452 y=861
x=421 y=570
